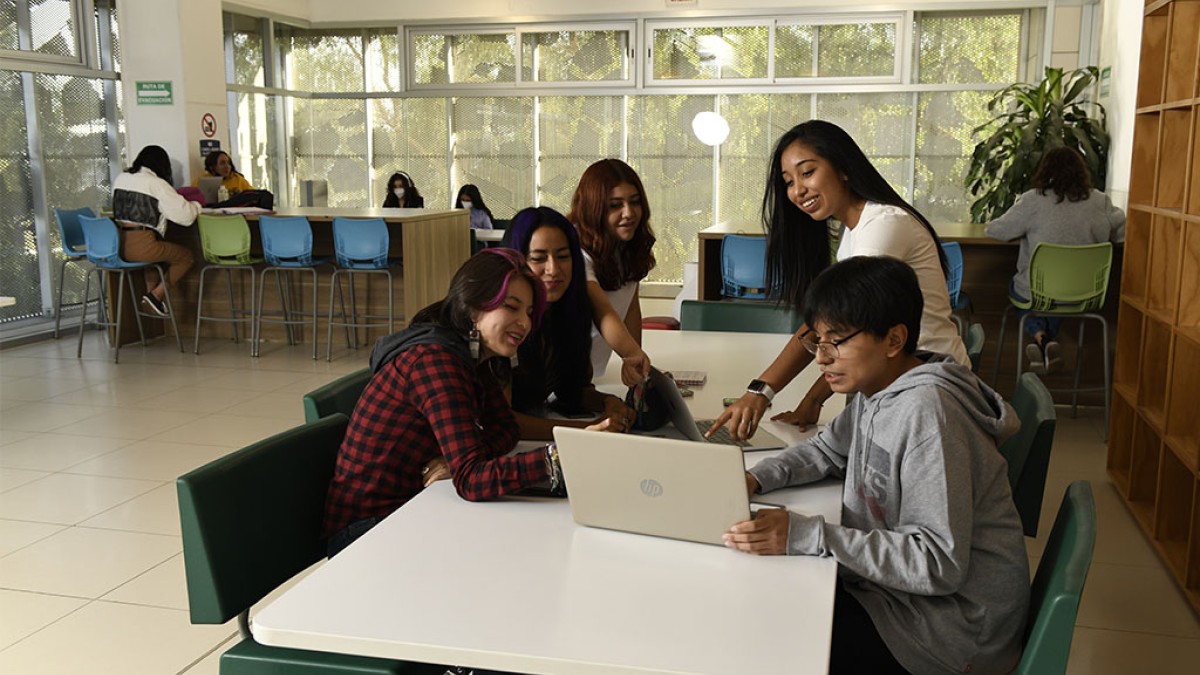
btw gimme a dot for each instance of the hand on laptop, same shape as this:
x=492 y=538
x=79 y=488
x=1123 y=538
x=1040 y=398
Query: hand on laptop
x=619 y=416
x=765 y=534
x=742 y=417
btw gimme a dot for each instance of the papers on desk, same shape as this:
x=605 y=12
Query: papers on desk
x=235 y=210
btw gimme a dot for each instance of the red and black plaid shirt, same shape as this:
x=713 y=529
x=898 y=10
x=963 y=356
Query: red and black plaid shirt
x=425 y=402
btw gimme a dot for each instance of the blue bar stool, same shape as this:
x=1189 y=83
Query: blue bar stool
x=361 y=247
x=288 y=247
x=74 y=250
x=225 y=241
x=103 y=251
x=744 y=267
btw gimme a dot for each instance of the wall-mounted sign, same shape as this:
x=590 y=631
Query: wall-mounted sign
x=208 y=125
x=209 y=145
x=154 y=93
x=1105 y=81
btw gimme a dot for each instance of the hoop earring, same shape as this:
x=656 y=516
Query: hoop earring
x=473 y=342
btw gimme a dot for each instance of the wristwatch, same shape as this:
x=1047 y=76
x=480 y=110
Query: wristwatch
x=762 y=389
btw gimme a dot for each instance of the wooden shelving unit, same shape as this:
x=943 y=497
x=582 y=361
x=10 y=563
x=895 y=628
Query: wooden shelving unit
x=1154 y=440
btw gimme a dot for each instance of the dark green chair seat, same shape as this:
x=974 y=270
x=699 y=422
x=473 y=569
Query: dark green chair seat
x=1058 y=584
x=339 y=396
x=252 y=520
x=737 y=317
x=1028 y=451
x=974 y=342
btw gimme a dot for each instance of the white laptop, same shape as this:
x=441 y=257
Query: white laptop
x=658 y=486
x=694 y=429
x=209 y=185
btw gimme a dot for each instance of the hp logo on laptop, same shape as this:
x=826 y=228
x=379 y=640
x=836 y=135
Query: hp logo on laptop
x=651 y=488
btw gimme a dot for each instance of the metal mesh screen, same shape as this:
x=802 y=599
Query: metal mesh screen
x=383 y=60
x=881 y=124
x=256 y=145
x=677 y=171
x=972 y=48
x=245 y=34
x=18 y=265
x=573 y=132
x=52 y=27
x=710 y=53
x=944 y=145
x=756 y=121
x=321 y=61
x=330 y=143
x=9 y=38
x=841 y=50
x=574 y=56
x=794 y=51
x=410 y=135
x=493 y=149
x=473 y=58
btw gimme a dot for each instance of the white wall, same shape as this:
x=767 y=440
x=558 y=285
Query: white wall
x=1120 y=48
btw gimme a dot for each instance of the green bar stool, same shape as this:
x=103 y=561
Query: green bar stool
x=225 y=241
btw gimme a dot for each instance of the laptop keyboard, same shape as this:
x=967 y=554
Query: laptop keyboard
x=721 y=435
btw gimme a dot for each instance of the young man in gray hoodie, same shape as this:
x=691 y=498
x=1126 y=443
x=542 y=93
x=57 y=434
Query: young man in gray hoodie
x=932 y=569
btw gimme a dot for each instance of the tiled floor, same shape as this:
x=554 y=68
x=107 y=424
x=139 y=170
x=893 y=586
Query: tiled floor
x=91 y=570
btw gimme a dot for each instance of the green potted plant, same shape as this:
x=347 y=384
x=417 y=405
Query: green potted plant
x=1033 y=119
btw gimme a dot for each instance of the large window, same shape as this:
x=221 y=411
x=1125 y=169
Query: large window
x=520 y=110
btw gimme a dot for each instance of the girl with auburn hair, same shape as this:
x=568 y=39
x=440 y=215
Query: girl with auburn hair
x=1062 y=208
x=554 y=363
x=613 y=217
x=818 y=172
x=435 y=407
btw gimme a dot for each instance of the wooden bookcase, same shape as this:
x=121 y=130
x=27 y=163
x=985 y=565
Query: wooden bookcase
x=1154 y=440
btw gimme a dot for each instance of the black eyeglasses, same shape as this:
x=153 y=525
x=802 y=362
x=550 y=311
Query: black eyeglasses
x=828 y=349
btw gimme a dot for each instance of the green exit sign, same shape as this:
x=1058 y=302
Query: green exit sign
x=154 y=93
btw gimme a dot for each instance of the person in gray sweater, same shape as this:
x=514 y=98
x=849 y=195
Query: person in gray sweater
x=1062 y=208
x=932 y=570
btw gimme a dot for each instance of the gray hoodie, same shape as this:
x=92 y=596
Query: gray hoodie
x=930 y=542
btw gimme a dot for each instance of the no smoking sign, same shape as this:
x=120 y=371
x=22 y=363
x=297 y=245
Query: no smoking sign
x=208 y=125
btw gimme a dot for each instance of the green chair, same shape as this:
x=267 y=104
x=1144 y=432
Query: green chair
x=737 y=317
x=1066 y=281
x=974 y=341
x=1058 y=584
x=1028 y=451
x=252 y=520
x=339 y=396
x=225 y=241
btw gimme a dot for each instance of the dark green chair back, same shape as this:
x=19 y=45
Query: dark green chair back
x=252 y=520
x=737 y=317
x=974 y=342
x=1058 y=584
x=1028 y=451
x=339 y=396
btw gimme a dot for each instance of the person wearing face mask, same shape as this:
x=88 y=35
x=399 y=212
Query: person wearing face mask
x=553 y=368
x=611 y=212
x=470 y=199
x=402 y=193
x=818 y=173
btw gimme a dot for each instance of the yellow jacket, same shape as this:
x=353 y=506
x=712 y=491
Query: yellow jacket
x=235 y=183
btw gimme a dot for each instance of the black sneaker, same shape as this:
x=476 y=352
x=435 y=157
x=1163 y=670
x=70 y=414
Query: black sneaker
x=154 y=306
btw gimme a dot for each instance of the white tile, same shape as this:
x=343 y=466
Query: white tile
x=11 y=478
x=130 y=423
x=54 y=451
x=26 y=613
x=156 y=512
x=27 y=367
x=106 y=637
x=255 y=380
x=44 y=416
x=67 y=498
x=1135 y=598
x=198 y=398
x=164 y=585
x=8 y=436
x=83 y=562
x=211 y=663
x=35 y=388
x=149 y=460
x=1111 y=652
x=227 y=431
x=113 y=392
x=288 y=407
x=17 y=534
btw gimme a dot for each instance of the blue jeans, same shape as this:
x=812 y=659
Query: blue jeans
x=349 y=534
x=1035 y=324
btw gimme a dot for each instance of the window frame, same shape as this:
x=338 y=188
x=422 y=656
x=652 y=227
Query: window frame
x=897 y=19
x=81 y=20
x=651 y=25
x=629 y=55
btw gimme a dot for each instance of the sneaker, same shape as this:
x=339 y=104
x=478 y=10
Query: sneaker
x=1033 y=354
x=1053 y=356
x=154 y=306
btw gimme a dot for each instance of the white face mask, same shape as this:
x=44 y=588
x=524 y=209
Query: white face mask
x=399 y=192
x=467 y=205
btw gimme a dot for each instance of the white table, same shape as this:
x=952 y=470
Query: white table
x=516 y=585
x=493 y=236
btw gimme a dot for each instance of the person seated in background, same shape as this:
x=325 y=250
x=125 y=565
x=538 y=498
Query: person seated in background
x=435 y=408
x=932 y=569
x=144 y=201
x=554 y=368
x=1062 y=208
x=612 y=214
x=219 y=164
x=402 y=193
x=470 y=199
